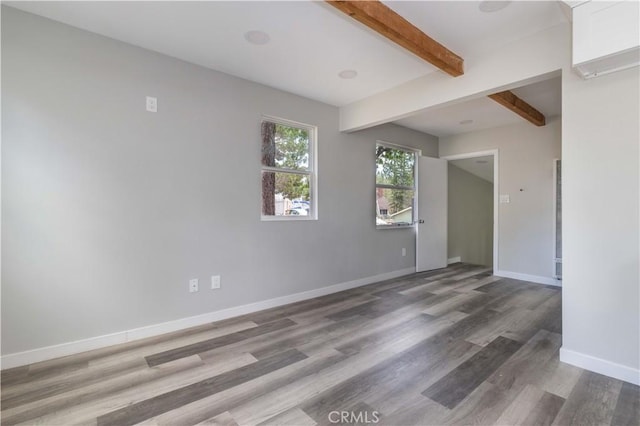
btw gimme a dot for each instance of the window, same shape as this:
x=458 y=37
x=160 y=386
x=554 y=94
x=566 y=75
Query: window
x=395 y=185
x=288 y=170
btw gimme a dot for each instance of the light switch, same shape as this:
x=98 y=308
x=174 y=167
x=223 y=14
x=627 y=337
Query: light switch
x=504 y=199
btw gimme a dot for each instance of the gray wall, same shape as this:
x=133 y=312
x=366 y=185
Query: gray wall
x=601 y=219
x=108 y=210
x=470 y=224
x=526 y=154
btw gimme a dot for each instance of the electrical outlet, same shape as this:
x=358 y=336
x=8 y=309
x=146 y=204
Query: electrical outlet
x=215 y=282
x=193 y=285
x=404 y=251
x=152 y=104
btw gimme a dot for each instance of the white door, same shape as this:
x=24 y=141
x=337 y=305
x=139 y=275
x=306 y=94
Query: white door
x=431 y=232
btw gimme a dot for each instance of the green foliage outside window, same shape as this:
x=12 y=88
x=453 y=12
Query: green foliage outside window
x=292 y=152
x=395 y=167
x=287 y=171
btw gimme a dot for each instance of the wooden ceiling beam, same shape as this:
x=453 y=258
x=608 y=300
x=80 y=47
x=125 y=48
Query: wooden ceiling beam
x=509 y=100
x=388 y=23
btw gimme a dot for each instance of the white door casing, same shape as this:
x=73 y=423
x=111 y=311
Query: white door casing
x=496 y=194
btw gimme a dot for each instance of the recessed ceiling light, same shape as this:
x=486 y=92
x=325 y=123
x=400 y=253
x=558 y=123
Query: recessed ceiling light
x=488 y=6
x=481 y=161
x=257 y=37
x=465 y=122
x=348 y=74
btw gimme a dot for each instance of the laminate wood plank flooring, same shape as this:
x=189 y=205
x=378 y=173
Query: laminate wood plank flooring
x=217 y=342
x=248 y=392
x=460 y=382
x=523 y=406
x=166 y=402
x=546 y=410
x=454 y=346
x=627 y=410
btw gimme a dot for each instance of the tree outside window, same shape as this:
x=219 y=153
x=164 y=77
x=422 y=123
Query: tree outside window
x=395 y=185
x=288 y=175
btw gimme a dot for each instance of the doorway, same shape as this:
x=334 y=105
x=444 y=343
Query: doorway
x=472 y=230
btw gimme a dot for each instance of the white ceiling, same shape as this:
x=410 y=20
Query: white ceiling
x=311 y=42
x=479 y=166
x=545 y=96
x=464 y=29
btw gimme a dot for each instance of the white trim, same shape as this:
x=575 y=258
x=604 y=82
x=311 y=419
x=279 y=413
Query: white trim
x=286 y=170
x=601 y=366
x=496 y=192
x=416 y=153
x=454 y=260
x=287 y=218
x=70 y=348
x=526 y=277
x=313 y=165
x=395 y=226
x=555 y=260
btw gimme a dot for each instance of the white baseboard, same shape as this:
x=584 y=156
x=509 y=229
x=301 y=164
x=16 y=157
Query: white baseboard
x=50 y=352
x=531 y=278
x=454 y=260
x=601 y=366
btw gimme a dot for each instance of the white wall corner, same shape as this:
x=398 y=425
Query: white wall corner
x=454 y=260
x=600 y=366
x=531 y=278
x=50 y=352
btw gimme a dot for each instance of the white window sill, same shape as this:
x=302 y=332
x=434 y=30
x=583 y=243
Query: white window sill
x=394 y=226
x=286 y=218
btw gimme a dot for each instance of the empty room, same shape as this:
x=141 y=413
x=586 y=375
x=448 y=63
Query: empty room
x=320 y=212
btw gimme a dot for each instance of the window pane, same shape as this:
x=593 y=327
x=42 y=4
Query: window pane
x=285 y=194
x=394 y=166
x=285 y=146
x=394 y=206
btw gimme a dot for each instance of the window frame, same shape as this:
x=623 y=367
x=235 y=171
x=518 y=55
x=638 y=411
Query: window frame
x=312 y=172
x=416 y=153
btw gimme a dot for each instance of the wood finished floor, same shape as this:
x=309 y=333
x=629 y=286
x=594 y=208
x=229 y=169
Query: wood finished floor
x=454 y=346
